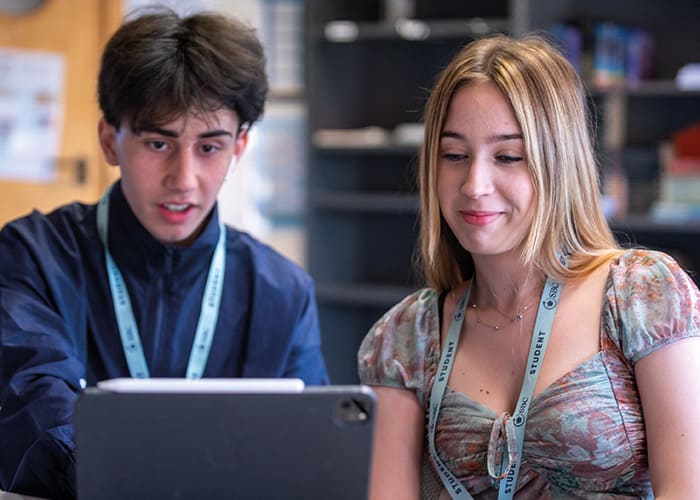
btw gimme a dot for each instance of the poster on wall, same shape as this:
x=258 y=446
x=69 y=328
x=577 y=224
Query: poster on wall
x=282 y=29
x=31 y=114
x=280 y=184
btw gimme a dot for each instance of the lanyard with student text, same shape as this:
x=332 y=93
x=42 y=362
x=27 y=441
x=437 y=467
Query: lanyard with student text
x=543 y=326
x=128 y=331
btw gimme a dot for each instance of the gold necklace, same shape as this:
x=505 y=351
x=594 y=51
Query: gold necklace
x=518 y=317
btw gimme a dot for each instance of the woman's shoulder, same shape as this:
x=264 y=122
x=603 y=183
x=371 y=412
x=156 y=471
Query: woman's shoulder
x=399 y=350
x=651 y=301
x=415 y=306
x=646 y=275
x=412 y=319
x=637 y=261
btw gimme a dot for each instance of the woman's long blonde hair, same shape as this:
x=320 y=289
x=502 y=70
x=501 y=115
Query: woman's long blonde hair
x=549 y=101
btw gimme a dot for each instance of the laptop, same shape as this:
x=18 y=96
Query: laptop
x=223 y=438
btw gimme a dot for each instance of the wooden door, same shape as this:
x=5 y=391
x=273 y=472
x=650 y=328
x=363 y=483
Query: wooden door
x=77 y=29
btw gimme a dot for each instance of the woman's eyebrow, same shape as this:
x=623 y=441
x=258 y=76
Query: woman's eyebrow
x=445 y=134
x=450 y=134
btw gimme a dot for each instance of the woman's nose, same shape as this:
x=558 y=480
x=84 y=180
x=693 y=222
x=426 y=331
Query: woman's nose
x=479 y=178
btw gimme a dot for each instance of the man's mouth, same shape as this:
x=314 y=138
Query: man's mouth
x=176 y=207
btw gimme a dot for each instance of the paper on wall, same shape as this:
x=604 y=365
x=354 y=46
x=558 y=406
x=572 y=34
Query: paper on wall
x=31 y=114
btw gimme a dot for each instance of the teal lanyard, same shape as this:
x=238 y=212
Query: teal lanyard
x=128 y=331
x=510 y=425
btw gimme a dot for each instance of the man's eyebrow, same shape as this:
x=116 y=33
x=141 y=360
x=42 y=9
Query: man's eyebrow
x=214 y=133
x=156 y=130
x=171 y=133
x=491 y=139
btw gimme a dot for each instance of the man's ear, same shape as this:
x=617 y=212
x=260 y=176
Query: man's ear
x=241 y=141
x=108 y=138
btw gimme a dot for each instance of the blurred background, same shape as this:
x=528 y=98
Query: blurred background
x=329 y=176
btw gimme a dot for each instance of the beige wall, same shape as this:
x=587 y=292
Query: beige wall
x=76 y=29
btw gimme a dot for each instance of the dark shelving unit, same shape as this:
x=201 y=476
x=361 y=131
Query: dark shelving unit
x=363 y=71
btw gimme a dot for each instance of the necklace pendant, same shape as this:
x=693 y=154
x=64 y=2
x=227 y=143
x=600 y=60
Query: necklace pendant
x=519 y=317
x=497 y=327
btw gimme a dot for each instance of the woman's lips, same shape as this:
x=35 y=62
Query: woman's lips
x=479 y=217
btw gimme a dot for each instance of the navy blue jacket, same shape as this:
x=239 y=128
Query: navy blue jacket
x=58 y=328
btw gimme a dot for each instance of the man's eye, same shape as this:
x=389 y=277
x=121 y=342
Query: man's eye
x=209 y=148
x=157 y=145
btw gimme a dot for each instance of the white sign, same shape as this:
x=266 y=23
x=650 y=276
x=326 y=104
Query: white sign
x=31 y=114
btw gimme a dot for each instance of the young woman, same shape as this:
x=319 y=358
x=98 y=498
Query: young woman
x=543 y=361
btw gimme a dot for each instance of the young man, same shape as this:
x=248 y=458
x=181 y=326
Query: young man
x=147 y=282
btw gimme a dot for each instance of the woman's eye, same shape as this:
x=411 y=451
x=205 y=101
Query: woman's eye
x=454 y=156
x=509 y=158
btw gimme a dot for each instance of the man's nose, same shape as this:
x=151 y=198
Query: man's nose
x=182 y=171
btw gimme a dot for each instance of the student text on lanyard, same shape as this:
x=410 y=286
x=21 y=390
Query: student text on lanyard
x=512 y=427
x=128 y=331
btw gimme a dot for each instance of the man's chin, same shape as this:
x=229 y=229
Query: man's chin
x=178 y=239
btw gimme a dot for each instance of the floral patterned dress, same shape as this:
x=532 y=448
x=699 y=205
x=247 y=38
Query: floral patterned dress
x=585 y=433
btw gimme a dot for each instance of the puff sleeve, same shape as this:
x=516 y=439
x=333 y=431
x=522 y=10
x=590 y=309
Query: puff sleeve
x=651 y=302
x=401 y=349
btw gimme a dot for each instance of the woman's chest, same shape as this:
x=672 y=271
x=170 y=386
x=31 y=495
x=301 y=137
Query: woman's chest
x=491 y=366
x=584 y=431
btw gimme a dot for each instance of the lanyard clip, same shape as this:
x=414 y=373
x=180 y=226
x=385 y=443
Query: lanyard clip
x=502 y=439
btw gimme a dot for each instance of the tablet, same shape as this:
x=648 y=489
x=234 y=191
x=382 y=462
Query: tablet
x=203 y=385
x=206 y=440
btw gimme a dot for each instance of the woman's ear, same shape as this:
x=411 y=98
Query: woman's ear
x=108 y=138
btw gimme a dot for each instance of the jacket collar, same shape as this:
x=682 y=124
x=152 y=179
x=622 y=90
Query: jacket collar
x=135 y=250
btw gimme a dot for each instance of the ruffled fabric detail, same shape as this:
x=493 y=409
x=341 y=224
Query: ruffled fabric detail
x=585 y=432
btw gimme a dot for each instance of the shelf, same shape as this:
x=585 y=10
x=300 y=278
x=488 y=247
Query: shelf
x=389 y=149
x=346 y=31
x=651 y=88
x=286 y=94
x=365 y=202
x=383 y=296
x=367 y=82
x=404 y=138
x=645 y=224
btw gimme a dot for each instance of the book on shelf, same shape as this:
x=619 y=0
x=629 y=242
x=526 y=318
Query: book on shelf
x=683 y=188
x=679 y=181
x=674 y=212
